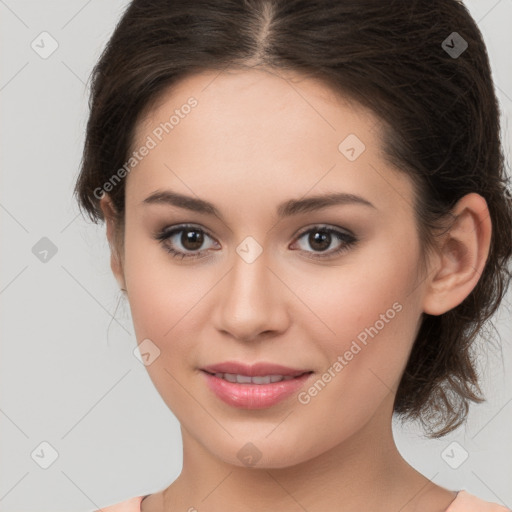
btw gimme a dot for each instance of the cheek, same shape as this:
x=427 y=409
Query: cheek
x=162 y=298
x=353 y=296
x=371 y=308
x=361 y=311
x=160 y=293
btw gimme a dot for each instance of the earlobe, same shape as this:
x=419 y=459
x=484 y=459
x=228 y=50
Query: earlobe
x=110 y=215
x=462 y=256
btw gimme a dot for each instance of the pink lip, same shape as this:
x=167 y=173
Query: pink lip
x=254 y=396
x=254 y=370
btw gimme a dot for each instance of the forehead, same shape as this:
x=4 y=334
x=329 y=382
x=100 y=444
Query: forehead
x=258 y=131
x=257 y=102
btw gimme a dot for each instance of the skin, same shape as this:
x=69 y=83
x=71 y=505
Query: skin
x=257 y=139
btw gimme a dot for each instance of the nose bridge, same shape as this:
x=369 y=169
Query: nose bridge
x=249 y=274
x=250 y=301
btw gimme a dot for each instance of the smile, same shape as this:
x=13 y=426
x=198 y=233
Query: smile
x=257 y=392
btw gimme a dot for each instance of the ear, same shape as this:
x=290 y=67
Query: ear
x=461 y=257
x=110 y=215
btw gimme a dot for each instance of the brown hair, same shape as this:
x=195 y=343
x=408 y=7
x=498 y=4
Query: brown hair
x=440 y=125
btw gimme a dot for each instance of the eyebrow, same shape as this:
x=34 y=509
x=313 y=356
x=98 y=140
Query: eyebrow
x=286 y=209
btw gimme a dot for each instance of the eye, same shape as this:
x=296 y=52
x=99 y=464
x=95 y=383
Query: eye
x=189 y=237
x=320 y=238
x=185 y=241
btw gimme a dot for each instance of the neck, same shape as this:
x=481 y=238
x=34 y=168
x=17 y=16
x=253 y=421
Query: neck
x=365 y=471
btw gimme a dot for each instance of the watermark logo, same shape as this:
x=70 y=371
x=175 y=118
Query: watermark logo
x=249 y=454
x=454 y=45
x=454 y=455
x=146 y=352
x=249 y=249
x=44 y=45
x=44 y=455
x=44 y=250
x=351 y=147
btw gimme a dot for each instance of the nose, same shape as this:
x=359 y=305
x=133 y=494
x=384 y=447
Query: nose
x=252 y=301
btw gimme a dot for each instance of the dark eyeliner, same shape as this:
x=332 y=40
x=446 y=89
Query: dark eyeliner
x=163 y=235
x=347 y=241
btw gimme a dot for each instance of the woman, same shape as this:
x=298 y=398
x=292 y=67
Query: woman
x=307 y=209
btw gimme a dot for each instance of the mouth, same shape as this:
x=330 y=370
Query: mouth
x=259 y=369
x=237 y=378
x=254 y=392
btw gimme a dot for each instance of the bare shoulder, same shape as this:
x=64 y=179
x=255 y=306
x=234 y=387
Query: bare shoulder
x=466 y=502
x=129 y=505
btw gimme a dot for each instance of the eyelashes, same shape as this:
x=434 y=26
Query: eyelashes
x=196 y=236
x=329 y=235
x=167 y=235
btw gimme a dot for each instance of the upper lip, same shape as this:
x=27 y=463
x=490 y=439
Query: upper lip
x=257 y=369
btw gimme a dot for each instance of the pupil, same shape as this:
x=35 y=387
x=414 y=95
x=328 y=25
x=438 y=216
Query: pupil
x=192 y=237
x=322 y=239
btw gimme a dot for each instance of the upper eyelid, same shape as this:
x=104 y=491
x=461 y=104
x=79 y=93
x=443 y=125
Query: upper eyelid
x=329 y=227
x=173 y=229
x=170 y=231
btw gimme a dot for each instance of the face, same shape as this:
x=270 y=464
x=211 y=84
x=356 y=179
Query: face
x=332 y=289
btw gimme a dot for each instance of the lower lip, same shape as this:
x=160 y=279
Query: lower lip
x=254 y=396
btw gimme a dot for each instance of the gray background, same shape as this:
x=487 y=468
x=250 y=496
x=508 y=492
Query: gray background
x=67 y=371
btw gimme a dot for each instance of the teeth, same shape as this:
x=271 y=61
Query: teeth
x=245 y=379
